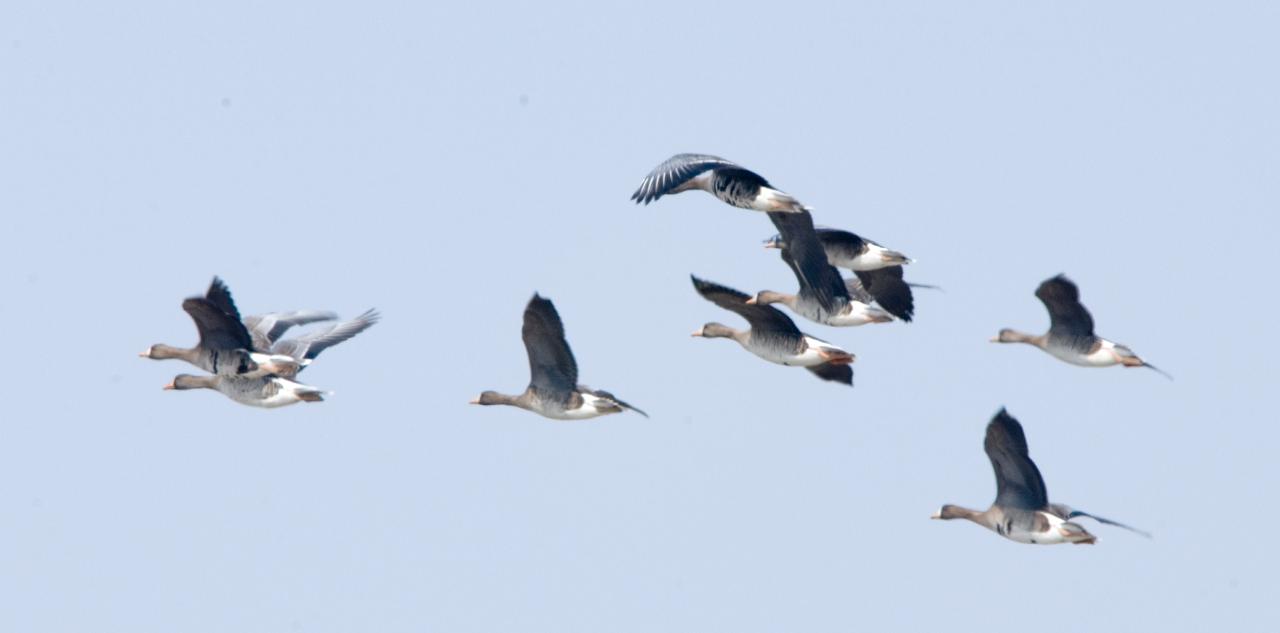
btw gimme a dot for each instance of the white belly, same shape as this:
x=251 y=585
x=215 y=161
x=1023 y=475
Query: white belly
x=808 y=358
x=278 y=400
x=1052 y=537
x=857 y=314
x=866 y=262
x=585 y=411
x=1105 y=356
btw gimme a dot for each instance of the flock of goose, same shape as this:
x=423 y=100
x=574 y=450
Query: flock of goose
x=248 y=361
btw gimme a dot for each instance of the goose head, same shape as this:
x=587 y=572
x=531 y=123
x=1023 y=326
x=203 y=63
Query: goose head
x=490 y=397
x=949 y=511
x=183 y=382
x=1008 y=335
x=160 y=351
x=766 y=297
x=715 y=330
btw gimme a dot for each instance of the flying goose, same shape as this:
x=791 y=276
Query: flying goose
x=848 y=250
x=730 y=182
x=267 y=392
x=878 y=269
x=225 y=347
x=773 y=336
x=1070 y=337
x=553 y=390
x=823 y=297
x=1021 y=511
x=285 y=358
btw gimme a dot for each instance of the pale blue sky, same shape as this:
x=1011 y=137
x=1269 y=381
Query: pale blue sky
x=441 y=163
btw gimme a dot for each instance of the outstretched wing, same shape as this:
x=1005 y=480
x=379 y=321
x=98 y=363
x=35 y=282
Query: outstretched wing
x=220 y=295
x=552 y=368
x=268 y=328
x=808 y=260
x=890 y=291
x=308 y=346
x=682 y=168
x=219 y=330
x=1018 y=481
x=761 y=317
x=1068 y=318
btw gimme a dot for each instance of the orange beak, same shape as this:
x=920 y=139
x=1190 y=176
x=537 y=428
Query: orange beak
x=169 y=387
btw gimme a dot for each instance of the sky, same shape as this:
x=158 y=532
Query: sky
x=443 y=161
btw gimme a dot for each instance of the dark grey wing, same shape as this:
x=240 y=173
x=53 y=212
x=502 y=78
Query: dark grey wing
x=890 y=291
x=309 y=346
x=219 y=331
x=763 y=318
x=835 y=373
x=220 y=295
x=270 y=327
x=1068 y=318
x=1018 y=481
x=819 y=280
x=676 y=171
x=552 y=368
x=1066 y=513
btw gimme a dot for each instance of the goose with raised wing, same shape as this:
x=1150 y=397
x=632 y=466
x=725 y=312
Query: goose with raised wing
x=553 y=390
x=849 y=250
x=773 y=336
x=225 y=347
x=878 y=269
x=728 y=181
x=1070 y=337
x=1021 y=511
x=824 y=297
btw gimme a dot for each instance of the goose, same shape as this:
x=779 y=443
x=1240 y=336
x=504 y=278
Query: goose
x=285 y=358
x=879 y=270
x=268 y=392
x=1070 y=337
x=728 y=181
x=773 y=336
x=225 y=347
x=553 y=390
x=823 y=297
x=1021 y=511
x=848 y=250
